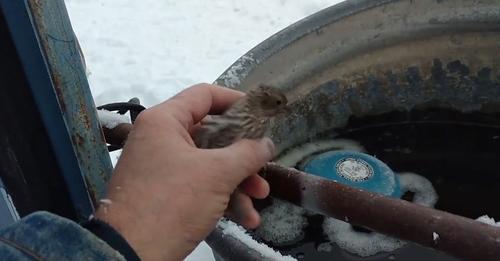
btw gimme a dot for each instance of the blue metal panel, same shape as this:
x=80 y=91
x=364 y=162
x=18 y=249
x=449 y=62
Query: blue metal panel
x=69 y=79
x=8 y=213
x=37 y=74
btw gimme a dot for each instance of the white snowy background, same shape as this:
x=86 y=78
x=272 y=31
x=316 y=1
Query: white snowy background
x=152 y=49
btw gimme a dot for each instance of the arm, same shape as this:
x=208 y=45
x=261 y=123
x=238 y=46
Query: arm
x=45 y=236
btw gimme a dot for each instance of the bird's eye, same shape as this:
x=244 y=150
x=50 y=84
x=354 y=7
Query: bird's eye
x=278 y=102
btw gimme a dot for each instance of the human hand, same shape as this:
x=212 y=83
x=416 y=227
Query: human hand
x=167 y=195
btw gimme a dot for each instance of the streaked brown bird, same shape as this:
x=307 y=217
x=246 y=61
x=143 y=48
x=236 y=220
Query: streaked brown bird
x=247 y=118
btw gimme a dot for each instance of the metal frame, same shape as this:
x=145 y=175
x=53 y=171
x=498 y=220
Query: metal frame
x=48 y=52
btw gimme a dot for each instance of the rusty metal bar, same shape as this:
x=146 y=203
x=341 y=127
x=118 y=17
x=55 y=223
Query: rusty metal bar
x=458 y=236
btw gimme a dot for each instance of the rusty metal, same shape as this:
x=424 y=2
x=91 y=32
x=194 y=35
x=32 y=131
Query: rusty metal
x=459 y=236
x=68 y=74
x=367 y=57
x=47 y=174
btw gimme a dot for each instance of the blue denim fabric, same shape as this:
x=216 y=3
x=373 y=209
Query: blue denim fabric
x=45 y=236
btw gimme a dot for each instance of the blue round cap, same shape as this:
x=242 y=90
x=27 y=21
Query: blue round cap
x=355 y=169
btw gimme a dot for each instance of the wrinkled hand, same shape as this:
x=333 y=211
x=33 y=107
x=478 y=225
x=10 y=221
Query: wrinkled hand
x=167 y=195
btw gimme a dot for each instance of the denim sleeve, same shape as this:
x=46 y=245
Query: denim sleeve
x=45 y=236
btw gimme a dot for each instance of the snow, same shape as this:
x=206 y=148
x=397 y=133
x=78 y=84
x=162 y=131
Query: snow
x=230 y=228
x=236 y=72
x=487 y=220
x=282 y=223
x=435 y=237
x=362 y=244
x=153 y=49
x=111 y=119
x=425 y=194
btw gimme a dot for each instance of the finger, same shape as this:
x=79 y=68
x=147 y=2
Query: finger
x=192 y=104
x=245 y=158
x=220 y=98
x=241 y=210
x=255 y=186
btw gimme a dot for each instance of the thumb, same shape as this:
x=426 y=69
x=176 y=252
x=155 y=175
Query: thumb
x=246 y=157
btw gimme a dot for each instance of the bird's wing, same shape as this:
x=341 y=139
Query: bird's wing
x=217 y=131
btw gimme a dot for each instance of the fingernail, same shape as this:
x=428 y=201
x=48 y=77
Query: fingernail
x=269 y=145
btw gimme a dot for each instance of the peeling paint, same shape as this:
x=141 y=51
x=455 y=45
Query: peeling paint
x=68 y=75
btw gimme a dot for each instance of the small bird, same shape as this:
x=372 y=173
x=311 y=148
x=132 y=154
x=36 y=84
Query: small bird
x=247 y=118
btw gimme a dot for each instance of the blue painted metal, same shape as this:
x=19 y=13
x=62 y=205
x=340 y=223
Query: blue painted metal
x=8 y=212
x=355 y=169
x=68 y=72
x=51 y=84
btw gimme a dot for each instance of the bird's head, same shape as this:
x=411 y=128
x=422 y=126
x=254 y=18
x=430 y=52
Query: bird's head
x=267 y=100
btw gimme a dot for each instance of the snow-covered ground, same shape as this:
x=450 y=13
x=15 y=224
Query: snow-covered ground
x=152 y=49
